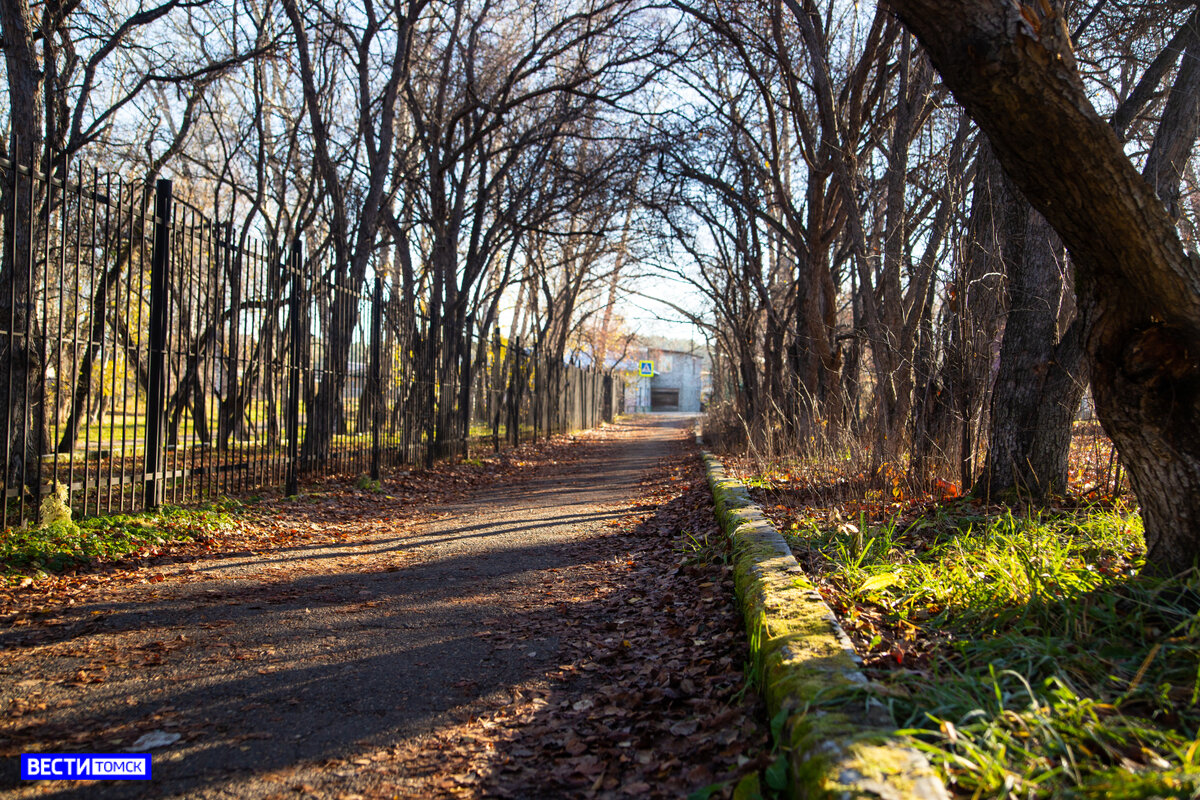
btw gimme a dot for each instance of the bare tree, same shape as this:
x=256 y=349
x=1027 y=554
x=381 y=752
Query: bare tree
x=1013 y=69
x=74 y=75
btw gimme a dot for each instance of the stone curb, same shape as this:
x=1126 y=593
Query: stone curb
x=837 y=733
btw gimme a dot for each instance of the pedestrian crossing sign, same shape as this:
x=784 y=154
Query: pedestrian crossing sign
x=646 y=369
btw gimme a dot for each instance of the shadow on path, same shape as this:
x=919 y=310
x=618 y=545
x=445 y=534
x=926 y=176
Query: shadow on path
x=343 y=650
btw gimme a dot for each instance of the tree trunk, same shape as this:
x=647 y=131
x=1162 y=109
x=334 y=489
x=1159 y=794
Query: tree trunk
x=1140 y=290
x=22 y=365
x=1040 y=381
x=325 y=413
x=973 y=310
x=81 y=396
x=231 y=405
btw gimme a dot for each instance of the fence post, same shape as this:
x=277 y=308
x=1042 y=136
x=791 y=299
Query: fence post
x=537 y=394
x=433 y=395
x=228 y=424
x=156 y=387
x=512 y=401
x=376 y=379
x=464 y=387
x=496 y=390
x=293 y=408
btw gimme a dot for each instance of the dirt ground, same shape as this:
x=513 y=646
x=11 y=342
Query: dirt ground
x=558 y=633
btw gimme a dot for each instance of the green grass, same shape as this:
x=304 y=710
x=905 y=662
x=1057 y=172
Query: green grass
x=65 y=545
x=368 y=484
x=1035 y=662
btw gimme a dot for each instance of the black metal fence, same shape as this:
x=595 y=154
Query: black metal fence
x=147 y=356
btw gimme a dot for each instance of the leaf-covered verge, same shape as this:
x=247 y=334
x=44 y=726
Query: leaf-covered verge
x=1018 y=647
x=38 y=557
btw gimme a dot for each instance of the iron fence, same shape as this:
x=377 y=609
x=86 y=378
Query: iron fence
x=148 y=356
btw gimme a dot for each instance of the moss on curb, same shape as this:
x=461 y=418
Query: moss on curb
x=837 y=732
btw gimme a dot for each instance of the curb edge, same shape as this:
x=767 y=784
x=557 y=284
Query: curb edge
x=837 y=732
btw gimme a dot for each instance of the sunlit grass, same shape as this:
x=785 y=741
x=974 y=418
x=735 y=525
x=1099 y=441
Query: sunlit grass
x=65 y=545
x=1022 y=651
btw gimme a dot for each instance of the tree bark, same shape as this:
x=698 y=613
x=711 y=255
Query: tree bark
x=1012 y=68
x=975 y=310
x=22 y=366
x=1040 y=382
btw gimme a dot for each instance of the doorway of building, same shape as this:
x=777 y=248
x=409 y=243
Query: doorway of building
x=664 y=399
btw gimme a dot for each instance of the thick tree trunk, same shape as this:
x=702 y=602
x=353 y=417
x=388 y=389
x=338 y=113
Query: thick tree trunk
x=1015 y=73
x=814 y=355
x=22 y=344
x=230 y=405
x=1040 y=380
x=21 y=364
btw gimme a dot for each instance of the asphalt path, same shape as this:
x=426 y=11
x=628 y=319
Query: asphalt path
x=290 y=672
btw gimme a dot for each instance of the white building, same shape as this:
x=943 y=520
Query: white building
x=675 y=383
